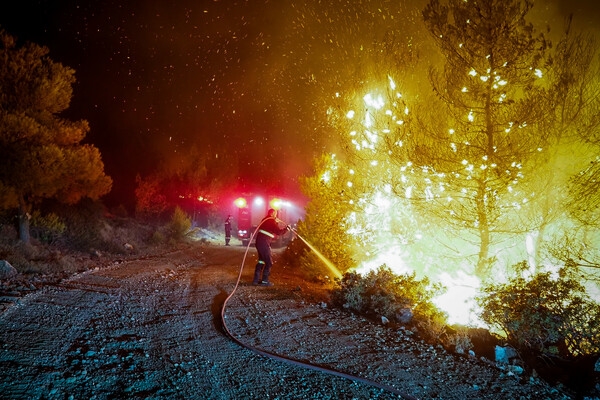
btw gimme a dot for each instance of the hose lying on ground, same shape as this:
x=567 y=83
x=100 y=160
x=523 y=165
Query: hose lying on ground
x=291 y=360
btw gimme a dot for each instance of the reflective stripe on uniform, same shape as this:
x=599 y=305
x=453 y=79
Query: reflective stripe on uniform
x=261 y=262
x=269 y=234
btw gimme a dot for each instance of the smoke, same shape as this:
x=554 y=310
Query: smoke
x=554 y=15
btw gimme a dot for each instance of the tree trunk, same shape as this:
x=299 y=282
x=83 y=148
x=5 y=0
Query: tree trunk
x=482 y=268
x=23 y=221
x=483 y=262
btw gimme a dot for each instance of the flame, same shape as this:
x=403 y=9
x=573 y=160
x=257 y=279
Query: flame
x=381 y=222
x=458 y=301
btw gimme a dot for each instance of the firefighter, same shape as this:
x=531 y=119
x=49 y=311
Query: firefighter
x=268 y=229
x=228 y=229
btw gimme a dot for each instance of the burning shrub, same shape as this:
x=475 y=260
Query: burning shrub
x=149 y=199
x=383 y=293
x=546 y=314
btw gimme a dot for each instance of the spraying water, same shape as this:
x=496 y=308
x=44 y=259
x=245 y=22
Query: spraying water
x=336 y=272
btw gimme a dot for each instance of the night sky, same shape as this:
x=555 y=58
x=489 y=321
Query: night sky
x=249 y=78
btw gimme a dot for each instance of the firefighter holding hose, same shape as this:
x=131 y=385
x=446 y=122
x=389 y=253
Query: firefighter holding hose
x=267 y=231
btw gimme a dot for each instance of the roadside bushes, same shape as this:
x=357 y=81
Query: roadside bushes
x=548 y=313
x=47 y=228
x=399 y=298
x=175 y=229
x=552 y=323
x=323 y=225
x=70 y=238
x=179 y=224
x=84 y=222
x=298 y=255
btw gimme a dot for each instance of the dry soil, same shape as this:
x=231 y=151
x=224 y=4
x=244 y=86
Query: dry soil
x=149 y=328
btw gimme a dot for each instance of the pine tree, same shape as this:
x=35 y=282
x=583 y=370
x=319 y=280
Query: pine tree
x=42 y=155
x=567 y=181
x=574 y=164
x=488 y=89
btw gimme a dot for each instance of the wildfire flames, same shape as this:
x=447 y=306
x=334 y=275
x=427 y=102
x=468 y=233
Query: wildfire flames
x=384 y=189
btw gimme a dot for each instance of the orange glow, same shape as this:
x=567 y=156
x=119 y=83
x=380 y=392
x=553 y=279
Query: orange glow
x=203 y=199
x=240 y=202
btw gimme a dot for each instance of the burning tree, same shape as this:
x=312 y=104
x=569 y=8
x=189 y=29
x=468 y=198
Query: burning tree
x=459 y=162
x=193 y=180
x=488 y=89
x=574 y=118
x=42 y=155
x=470 y=173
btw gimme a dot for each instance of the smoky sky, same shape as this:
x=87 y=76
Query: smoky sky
x=250 y=79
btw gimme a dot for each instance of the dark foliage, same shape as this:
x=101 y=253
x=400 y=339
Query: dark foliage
x=551 y=321
x=383 y=293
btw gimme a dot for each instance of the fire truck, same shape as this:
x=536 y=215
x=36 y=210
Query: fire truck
x=253 y=208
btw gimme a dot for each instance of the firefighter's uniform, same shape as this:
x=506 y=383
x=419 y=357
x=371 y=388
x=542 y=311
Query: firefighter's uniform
x=268 y=230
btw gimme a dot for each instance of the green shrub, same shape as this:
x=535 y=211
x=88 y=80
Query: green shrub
x=544 y=313
x=47 y=228
x=85 y=222
x=299 y=256
x=323 y=224
x=157 y=238
x=383 y=293
x=179 y=224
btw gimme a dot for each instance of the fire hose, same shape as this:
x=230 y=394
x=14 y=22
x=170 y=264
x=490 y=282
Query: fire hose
x=293 y=361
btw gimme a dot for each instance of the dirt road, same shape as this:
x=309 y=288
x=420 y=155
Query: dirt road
x=150 y=328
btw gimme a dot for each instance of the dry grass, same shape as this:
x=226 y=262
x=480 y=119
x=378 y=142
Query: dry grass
x=84 y=245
